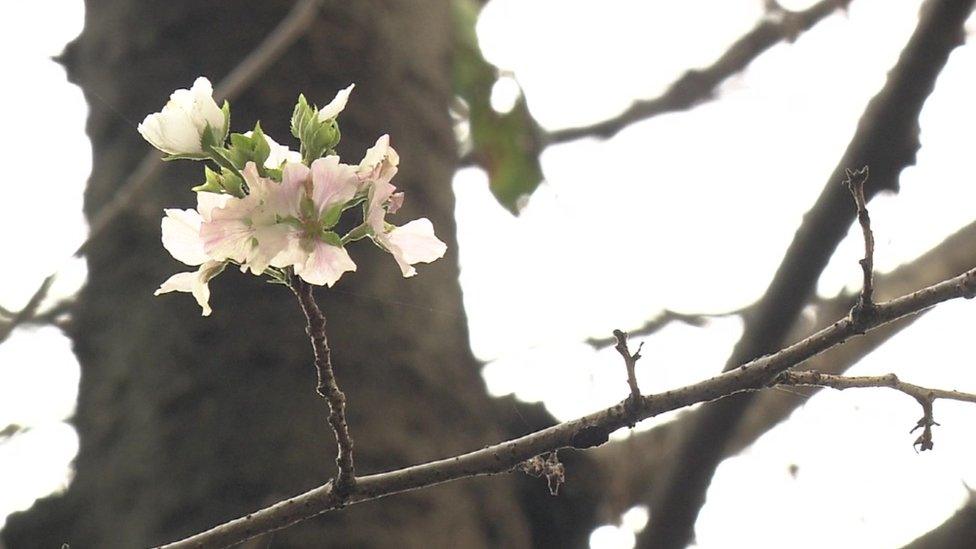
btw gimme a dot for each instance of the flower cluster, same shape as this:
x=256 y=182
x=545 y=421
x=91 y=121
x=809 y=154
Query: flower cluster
x=273 y=211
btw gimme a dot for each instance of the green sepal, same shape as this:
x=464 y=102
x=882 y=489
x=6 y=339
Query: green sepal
x=209 y=137
x=186 y=156
x=274 y=173
x=224 y=182
x=262 y=150
x=306 y=207
x=331 y=216
x=331 y=238
x=302 y=113
x=358 y=233
x=226 y=110
x=244 y=149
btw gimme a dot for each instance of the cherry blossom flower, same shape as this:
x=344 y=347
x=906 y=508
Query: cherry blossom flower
x=410 y=244
x=312 y=200
x=179 y=128
x=261 y=224
x=247 y=230
x=379 y=164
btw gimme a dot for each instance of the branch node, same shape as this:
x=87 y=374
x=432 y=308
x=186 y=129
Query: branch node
x=632 y=404
x=924 y=440
x=549 y=467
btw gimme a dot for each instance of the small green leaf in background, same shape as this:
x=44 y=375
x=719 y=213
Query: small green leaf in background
x=506 y=145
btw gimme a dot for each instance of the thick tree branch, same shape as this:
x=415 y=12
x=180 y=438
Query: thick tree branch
x=327 y=386
x=887 y=140
x=697 y=86
x=585 y=432
x=957 y=532
x=290 y=29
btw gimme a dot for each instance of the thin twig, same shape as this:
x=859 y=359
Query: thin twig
x=327 y=386
x=923 y=395
x=29 y=310
x=630 y=361
x=855 y=183
x=585 y=432
x=662 y=319
x=697 y=86
x=290 y=29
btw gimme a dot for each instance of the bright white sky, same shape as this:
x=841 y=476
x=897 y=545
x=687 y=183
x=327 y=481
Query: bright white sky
x=604 y=244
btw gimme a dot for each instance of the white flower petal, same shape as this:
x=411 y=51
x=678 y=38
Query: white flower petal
x=208 y=202
x=380 y=163
x=325 y=264
x=195 y=283
x=205 y=110
x=332 y=183
x=181 y=236
x=270 y=241
x=336 y=106
x=413 y=243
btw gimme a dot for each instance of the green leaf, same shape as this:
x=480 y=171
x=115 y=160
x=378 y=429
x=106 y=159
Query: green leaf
x=506 y=145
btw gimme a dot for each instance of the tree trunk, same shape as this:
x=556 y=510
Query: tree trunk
x=188 y=421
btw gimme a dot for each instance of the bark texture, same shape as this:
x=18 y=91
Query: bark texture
x=186 y=421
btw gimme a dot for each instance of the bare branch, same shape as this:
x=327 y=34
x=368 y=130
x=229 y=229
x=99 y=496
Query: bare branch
x=585 y=432
x=697 y=86
x=327 y=387
x=923 y=395
x=11 y=431
x=643 y=455
x=661 y=320
x=29 y=310
x=290 y=29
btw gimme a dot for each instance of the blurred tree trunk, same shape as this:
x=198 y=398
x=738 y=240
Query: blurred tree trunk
x=188 y=421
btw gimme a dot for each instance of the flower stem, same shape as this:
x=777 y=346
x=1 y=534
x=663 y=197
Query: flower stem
x=327 y=387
